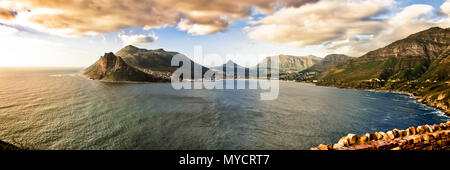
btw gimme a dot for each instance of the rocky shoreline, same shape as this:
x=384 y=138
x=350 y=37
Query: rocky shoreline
x=436 y=104
x=427 y=137
x=423 y=100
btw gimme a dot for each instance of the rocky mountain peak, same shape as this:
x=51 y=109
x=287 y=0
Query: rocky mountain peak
x=109 y=62
x=427 y=44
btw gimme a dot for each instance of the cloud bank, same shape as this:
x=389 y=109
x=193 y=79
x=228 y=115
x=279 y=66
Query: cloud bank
x=351 y=27
x=345 y=26
x=198 y=17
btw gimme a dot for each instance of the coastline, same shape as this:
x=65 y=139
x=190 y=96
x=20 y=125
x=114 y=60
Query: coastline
x=419 y=99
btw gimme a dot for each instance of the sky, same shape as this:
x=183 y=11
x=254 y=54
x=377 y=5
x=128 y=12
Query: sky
x=75 y=33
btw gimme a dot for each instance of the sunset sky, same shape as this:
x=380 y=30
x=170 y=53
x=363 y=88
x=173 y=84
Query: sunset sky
x=75 y=33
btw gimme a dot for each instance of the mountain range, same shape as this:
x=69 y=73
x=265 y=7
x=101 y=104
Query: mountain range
x=135 y=64
x=418 y=64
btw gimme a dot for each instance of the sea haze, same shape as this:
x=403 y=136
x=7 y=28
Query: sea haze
x=60 y=109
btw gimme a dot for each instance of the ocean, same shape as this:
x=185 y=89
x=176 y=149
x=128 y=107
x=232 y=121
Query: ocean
x=57 y=108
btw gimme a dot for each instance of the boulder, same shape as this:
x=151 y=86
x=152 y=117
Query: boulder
x=352 y=139
x=411 y=131
x=386 y=137
x=322 y=147
x=420 y=130
x=363 y=139
x=403 y=133
x=379 y=135
x=428 y=129
x=390 y=135
x=396 y=133
x=342 y=142
x=370 y=136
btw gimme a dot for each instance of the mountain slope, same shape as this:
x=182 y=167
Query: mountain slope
x=289 y=63
x=113 y=68
x=155 y=60
x=406 y=59
x=418 y=64
x=327 y=62
x=309 y=73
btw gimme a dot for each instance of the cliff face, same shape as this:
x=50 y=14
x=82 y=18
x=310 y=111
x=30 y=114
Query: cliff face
x=289 y=64
x=113 y=68
x=418 y=64
x=328 y=61
x=322 y=65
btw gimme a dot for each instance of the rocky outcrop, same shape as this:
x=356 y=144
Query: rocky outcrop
x=113 y=68
x=440 y=102
x=427 y=137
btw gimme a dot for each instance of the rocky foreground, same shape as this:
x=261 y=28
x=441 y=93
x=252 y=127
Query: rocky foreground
x=7 y=146
x=434 y=137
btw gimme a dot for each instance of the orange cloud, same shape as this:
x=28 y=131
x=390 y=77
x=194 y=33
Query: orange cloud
x=98 y=16
x=6 y=14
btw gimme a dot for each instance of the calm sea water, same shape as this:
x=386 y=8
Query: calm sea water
x=59 y=109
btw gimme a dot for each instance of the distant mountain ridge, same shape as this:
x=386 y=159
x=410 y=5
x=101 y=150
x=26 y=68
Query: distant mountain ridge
x=290 y=63
x=231 y=66
x=309 y=73
x=327 y=62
